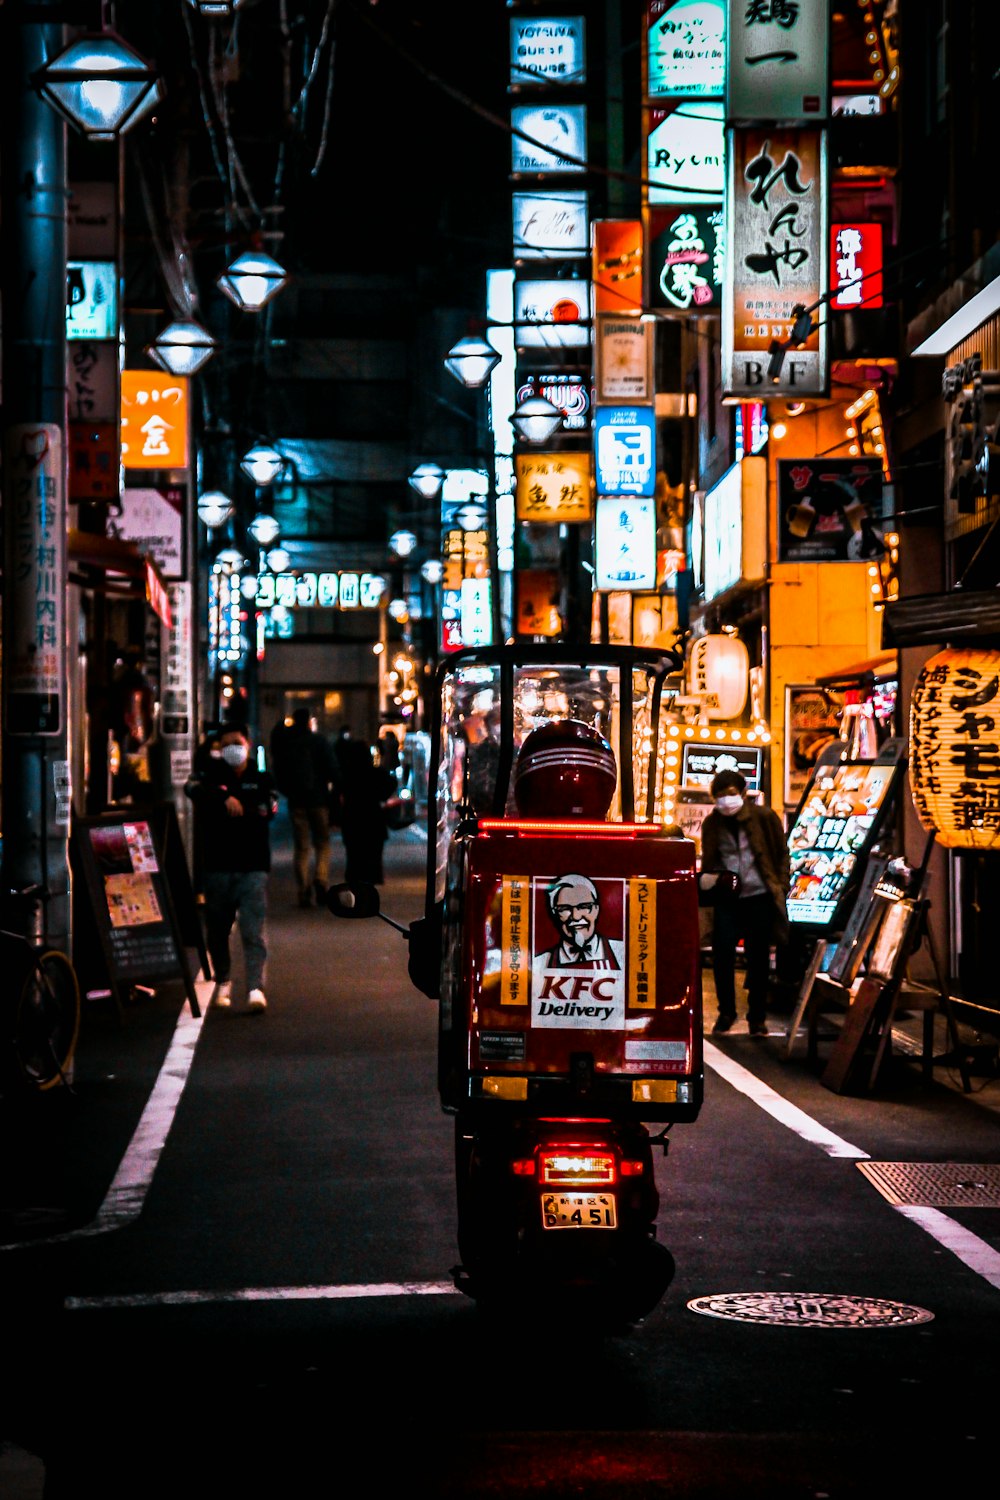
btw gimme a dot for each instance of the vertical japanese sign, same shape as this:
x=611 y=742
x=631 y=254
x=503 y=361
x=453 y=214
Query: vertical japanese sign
x=687 y=253
x=34 y=594
x=178 y=669
x=955 y=748
x=154 y=420
x=516 y=964
x=778 y=60
x=777 y=223
x=642 y=944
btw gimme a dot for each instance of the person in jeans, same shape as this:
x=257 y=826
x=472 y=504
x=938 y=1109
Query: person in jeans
x=306 y=773
x=235 y=804
x=748 y=843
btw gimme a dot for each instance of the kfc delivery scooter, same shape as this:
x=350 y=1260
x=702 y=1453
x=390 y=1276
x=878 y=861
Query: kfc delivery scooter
x=561 y=940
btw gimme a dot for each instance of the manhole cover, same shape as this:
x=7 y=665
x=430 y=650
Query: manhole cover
x=810 y=1310
x=929 y=1184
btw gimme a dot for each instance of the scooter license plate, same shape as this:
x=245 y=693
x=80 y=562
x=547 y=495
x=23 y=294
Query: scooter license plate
x=579 y=1211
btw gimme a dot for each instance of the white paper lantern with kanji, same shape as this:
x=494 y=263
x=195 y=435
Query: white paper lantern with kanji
x=955 y=748
x=719 y=672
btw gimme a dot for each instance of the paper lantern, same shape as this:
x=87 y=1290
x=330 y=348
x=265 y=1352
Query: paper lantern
x=719 y=673
x=955 y=748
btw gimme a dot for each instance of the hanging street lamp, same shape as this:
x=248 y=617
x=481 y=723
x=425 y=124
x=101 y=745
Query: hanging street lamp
x=252 y=280
x=262 y=464
x=472 y=361
x=279 y=559
x=214 y=509
x=215 y=9
x=264 y=529
x=536 y=419
x=427 y=480
x=99 y=85
x=432 y=571
x=402 y=543
x=182 y=348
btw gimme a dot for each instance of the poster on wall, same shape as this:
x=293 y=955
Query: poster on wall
x=830 y=509
x=812 y=724
x=777 y=241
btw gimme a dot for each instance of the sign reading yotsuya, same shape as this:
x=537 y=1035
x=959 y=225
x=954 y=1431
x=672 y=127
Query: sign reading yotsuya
x=687 y=250
x=551 y=314
x=778 y=60
x=547 y=49
x=954 y=764
x=550 y=226
x=686 y=153
x=776 y=218
x=626 y=544
x=625 y=445
x=686 y=48
x=624 y=358
x=549 y=138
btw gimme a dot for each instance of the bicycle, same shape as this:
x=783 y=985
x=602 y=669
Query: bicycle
x=40 y=1004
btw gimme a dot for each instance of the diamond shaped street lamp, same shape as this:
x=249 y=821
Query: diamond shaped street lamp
x=264 y=529
x=427 y=480
x=215 y=8
x=252 y=280
x=472 y=361
x=536 y=419
x=262 y=464
x=182 y=348
x=214 y=509
x=99 y=85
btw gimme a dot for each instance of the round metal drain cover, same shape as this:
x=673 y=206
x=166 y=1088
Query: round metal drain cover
x=810 y=1310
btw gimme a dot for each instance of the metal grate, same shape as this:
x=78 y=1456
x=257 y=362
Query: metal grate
x=809 y=1310
x=931 y=1184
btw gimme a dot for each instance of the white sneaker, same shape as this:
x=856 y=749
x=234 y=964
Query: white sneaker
x=257 y=1000
x=222 y=994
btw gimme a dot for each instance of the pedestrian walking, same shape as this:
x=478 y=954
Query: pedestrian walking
x=747 y=843
x=306 y=773
x=368 y=795
x=235 y=804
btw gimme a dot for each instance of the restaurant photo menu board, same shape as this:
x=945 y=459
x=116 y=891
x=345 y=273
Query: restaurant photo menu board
x=836 y=825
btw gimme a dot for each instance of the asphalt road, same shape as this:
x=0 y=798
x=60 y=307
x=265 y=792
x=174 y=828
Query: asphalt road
x=266 y=1309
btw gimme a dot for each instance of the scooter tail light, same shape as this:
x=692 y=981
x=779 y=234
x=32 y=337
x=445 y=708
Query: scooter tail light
x=631 y=1168
x=577 y=1168
x=523 y=1166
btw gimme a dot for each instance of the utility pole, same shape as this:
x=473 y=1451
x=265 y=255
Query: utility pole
x=33 y=209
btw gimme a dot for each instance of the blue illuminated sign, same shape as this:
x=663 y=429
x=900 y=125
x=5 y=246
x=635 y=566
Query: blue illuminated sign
x=625 y=448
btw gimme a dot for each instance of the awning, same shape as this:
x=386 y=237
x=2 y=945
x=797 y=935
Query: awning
x=883 y=666
x=942 y=619
x=127 y=572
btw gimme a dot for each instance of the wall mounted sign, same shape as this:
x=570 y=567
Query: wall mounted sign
x=829 y=509
x=154 y=522
x=94 y=460
x=625 y=544
x=35 y=592
x=553 y=488
x=474 y=612
x=623 y=359
x=686 y=48
x=319 y=590
x=154 y=420
x=571 y=394
x=617 y=265
x=776 y=218
x=778 y=60
x=547 y=49
x=550 y=226
x=93 y=381
x=538 y=591
x=686 y=154
x=735 y=526
x=700 y=762
x=551 y=314
x=549 y=138
x=625 y=449
x=954 y=762
x=687 y=249
x=91 y=299
x=855 y=266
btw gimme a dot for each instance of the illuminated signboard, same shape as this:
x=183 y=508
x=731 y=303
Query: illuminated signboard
x=552 y=488
x=474 y=612
x=551 y=314
x=550 y=226
x=319 y=590
x=686 y=154
x=777 y=244
x=91 y=299
x=624 y=349
x=687 y=249
x=778 y=60
x=154 y=415
x=549 y=138
x=625 y=446
x=834 y=829
x=617 y=265
x=735 y=526
x=700 y=762
x=547 y=49
x=855 y=266
x=626 y=544
x=568 y=392
x=686 y=48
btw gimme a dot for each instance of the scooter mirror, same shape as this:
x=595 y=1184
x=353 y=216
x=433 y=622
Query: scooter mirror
x=353 y=900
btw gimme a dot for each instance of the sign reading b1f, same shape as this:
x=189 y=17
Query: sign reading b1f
x=625 y=446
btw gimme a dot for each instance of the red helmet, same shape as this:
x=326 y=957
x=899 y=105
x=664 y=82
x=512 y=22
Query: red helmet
x=565 y=769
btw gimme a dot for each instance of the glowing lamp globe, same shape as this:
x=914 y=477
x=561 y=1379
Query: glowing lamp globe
x=214 y=509
x=719 y=674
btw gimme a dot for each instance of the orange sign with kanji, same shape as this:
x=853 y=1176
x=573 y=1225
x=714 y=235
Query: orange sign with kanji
x=553 y=487
x=154 y=420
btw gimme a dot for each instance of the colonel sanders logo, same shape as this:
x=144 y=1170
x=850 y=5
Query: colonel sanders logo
x=578 y=968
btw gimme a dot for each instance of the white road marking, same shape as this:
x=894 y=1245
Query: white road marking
x=270 y=1294
x=969 y=1248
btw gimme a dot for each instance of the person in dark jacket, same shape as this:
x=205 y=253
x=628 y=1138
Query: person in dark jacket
x=368 y=793
x=235 y=804
x=307 y=774
x=746 y=842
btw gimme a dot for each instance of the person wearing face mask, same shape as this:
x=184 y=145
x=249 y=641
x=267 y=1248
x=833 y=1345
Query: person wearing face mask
x=235 y=803
x=745 y=844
